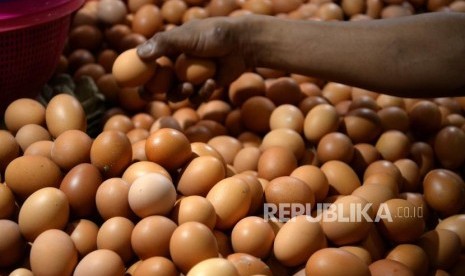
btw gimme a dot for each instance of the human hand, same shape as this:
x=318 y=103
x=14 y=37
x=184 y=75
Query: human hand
x=216 y=38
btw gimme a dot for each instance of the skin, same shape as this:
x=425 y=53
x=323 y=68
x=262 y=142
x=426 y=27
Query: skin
x=419 y=56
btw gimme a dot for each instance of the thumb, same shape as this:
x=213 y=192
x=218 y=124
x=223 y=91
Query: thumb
x=167 y=43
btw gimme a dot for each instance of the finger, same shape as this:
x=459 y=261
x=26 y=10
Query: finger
x=180 y=92
x=229 y=68
x=207 y=89
x=167 y=43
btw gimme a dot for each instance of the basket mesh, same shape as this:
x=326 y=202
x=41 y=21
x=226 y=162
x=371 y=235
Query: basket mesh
x=28 y=58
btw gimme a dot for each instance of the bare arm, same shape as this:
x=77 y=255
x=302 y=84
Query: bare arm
x=414 y=56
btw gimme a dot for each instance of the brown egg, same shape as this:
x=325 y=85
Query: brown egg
x=256 y=113
x=115 y=234
x=194 y=13
x=444 y=191
x=83 y=233
x=106 y=58
x=92 y=70
x=151 y=194
x=284 y=137
x=374 y=243
x=400 y=221
x=410 y=174
x=64 y=112
x=247 y=159
x=194 y=208
x=351 y=8
x=70 y=148
x=221 y=7
x=191 y=243
x=310 y=89
x=42 y=148
x=280 y=6
x=165 y=122
x=256 y=190
x=151 y=236
x=320 y=120
x=384 y=166
x=119 y=122
x=247 y=264
x=213 y=266
x=108 y=87
x=7 y=202
x=53 y=253
x=412 y=256
x=231 y=198
x=342 y=179
x=111 y=12
x=186 y=117
x=21 y=272
x=335 y=146
x=137 y=169
x=215 y=110
x=389 y=267
x=353 y=218
x=227 y=146
x=360 y=252
x=111 y=199
x=314 y=178
x=31 y=133
x=249 y=139
x=458 y=6
x=45 y=209
x=283 y=90
x=291 y=251
x=287 y=116
x=335 y=261
x=253 y=235
x=12 y=243
x=115 y=34
x=80 y=185
x=330 y=11
x=137 y=134
x=258 y=6
x=111 y=153
x=375 y=193
x=156 y=266
x=224 y=243
x=138 y=151
x=364 y=155
x=79 y=58
x=442 y=247
x=246 y=86
x=139 y=73
x=362 y=125
x=147 y=20
x=168 y=147
x=85 y=37
x=27 y=174
x=394 y=118
x=9 y=149
x=276 y=161
x=173 y=11
x=131 y=41
x=425 y=117
x=100 y=262
x=142 y=120
x=202 y=149
x=449 y=144
x=454 y=223
x=393 y=145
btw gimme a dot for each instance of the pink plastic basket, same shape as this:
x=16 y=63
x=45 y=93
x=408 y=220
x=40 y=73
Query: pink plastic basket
x=32 y=36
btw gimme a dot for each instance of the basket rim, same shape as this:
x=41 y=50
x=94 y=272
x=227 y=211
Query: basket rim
x=17 y=14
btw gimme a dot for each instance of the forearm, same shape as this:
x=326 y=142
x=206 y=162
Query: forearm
x=417 y=56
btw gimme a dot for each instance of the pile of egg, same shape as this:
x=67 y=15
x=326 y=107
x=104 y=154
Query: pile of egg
x=177 y=188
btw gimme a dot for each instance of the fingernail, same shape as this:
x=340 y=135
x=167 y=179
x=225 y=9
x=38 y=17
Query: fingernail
x=145 y=49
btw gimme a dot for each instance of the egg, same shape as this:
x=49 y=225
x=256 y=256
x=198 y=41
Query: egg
x=448 y=145
x=83 y=233
x=253 y=235
x=283 y=90
x=246 y=86
x=276 y=161
x=341 y=177
x=111 y=153
x=23 y=111
x=412 y=256
x=168 y=147
x=231 y=198
x=26 y=174
x=258 y=6
x=375 y=193
x=425 y=117
x=360 y=252
x=139 y=72
x=147 y=20
x=191 y=243
x=393 y=145
x=314 y=178
x=31 y=133
x=284 y=137
x=9 y=150
x=194 y=208
x=7 y=202
x=100 y=262
x=119 y=122
x=246 y=159
x=151 y=237
x=92 y=70
x=390 y=267
x=442 y=247
x=335 y=146
x=364 y=155
x=226 y=146
x=186 y=117
x=292 y=251
x=64 y=112
x=410 y=174
x=454 y=223
x=194 y=70
x=71 y=148
x=151 y=194
x=362 y=125
x=12 y=244
x=256 y=190
x=111 y=199
x=386 y=167
x=115 y=234
x=213 y=266
x=335 y=261
x=53 y=253
x=85 y=37
x=21 y=272
x=256 y=113
x=156 y=266
x=320 y=120
x=173 y=11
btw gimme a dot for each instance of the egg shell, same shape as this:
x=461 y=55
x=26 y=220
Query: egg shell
x=375 y=194
x=85 y=36
x=390 y=267
x=297 y=240
x=320 y=120
x=80 y=185
x=115 y=234
x=394 y=118
x=147 y=20
x=151 y=236
x=335 y=261
x=247 y=264
x=341 y=177
x=221 y=7
x=164 y=79
x=129 y=70
x=9 y=150
x=226 y=146
x=26 y=174
x=194 y=13
x=449 y=144
x=360 y=252
x=410 y=174
x=194 y=208
x=64 y=112
x=276 y=161
x=42 y=148
x=21 y=272
x=258 y=6
x=412 y=256
x=173 y=11
x=386 y=167
x=256 y=190
x=156 y=266
x=111 y=199
x=393 y=145
x=213 y=266
x=137 y=169
x=53 y=253
x=425 y=117
x=253 y=235
x=194 y=70
x=151 y=194
x=83 y=233
x=111 y=153
x=362 y=125
x=246 y=159
x=314 y=178
x=335 y=146
x=246 y=86
x=256 y=113
x=283 y=90
x=71 y=148
x=284 y=137
x=12 y=244
x=442 y=247
x=23 y=111
x=200 y=175
x=119 y=122
x=191 y=243
x=31 y=133
x=100 y=262
x=231 y=198
x=364 y=155
x=7 y=202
